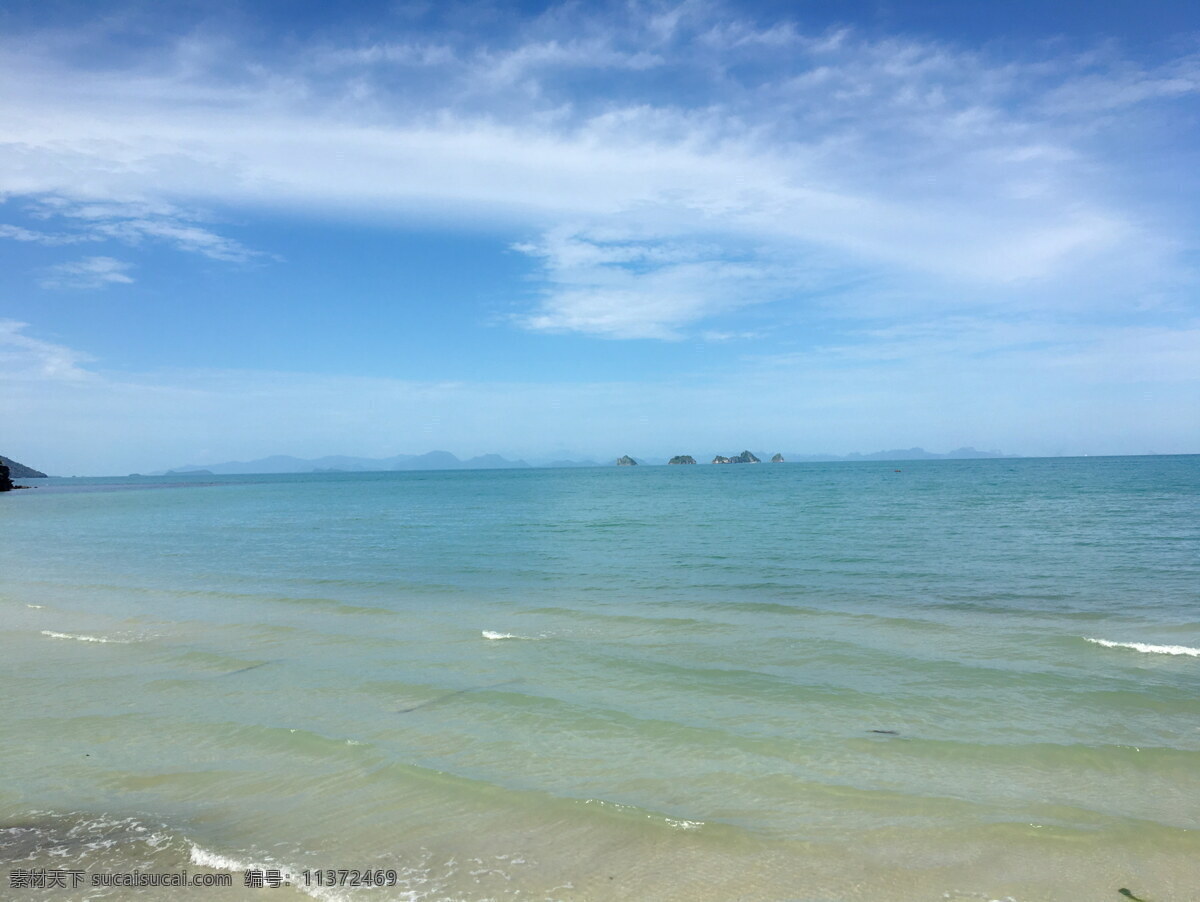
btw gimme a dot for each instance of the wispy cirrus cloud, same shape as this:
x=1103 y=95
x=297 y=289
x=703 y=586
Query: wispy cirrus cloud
x=25 y=357
x=33 y=236
x=88 y=273
x=619 y=282
x=130 y=223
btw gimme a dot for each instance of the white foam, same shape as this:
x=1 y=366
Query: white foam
x=1149 y=649
x=672 y=822
x=492 y=634
x=35 y=606
x=205 y=859
x=54 y=635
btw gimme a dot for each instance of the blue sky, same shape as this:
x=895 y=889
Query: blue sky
x=232 y=230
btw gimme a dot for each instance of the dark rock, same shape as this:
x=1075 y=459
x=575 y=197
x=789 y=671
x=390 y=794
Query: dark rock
x=6 y=484
x=682 y=459
x=626 y=461
x=777 y=459
x=721 y=460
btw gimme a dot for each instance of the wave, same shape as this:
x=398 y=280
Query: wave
x=54 y=635
x=492 y=634
x=202 y=858
x=634 y=811
x=1148 y=649
x=214 y=861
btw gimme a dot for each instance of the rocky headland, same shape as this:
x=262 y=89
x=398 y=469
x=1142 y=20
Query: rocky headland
x=10 y=468
x=20 y=471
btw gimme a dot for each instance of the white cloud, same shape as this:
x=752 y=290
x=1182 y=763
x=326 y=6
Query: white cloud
x=131 y=223
x=619 y=284
x=23 y=357
x=1126 y=85
x=1016 y=270
x=396 y=54
x=183 y=236
x=944 y=173
x=88 y=273
x=17 y=233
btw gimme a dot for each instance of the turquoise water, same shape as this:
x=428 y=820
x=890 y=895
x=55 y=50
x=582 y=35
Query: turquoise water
x=892 y=681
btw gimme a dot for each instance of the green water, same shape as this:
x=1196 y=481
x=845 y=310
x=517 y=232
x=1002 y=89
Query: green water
x=774 y=682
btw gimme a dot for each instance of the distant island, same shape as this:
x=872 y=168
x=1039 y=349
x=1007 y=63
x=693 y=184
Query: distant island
x=744 y=458
x=750 y=457
x=444 y=460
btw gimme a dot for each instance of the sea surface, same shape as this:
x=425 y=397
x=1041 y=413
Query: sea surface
x=939 y=680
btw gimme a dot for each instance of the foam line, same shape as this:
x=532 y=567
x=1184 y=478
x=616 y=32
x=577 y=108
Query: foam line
x=1148 y=649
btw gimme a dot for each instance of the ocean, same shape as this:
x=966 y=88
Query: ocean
x=920 y=680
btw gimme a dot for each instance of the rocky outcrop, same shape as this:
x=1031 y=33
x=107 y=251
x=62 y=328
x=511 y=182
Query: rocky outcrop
x=682 y=459
x=6 y=484
x=20 y=471
x=744 y=458
x=777 y=459
x=626 y=461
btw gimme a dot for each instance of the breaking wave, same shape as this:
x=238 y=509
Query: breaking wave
x=1148 y=649
x=54 y=635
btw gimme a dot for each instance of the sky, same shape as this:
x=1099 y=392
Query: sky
x=230 y=230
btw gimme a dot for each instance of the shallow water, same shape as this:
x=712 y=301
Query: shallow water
x=921 y=680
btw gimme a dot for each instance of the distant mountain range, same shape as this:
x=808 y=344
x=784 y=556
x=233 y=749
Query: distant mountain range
x=444 y=460
x=282 y=463
x=903 y=454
